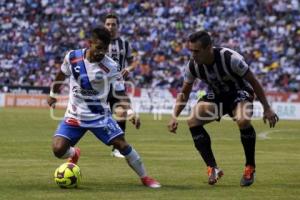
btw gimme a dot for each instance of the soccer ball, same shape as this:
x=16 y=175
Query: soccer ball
x=67 y=175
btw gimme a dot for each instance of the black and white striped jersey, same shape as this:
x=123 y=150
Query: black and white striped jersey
x=120 y=51
x=225 y=75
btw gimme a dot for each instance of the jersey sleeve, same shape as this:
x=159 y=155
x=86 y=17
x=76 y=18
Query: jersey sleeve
x=188 y=76
x=66 y=66
x=239 y=66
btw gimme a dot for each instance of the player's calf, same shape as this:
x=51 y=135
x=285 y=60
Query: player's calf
x=135 y=162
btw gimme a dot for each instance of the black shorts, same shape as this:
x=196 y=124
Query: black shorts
x=227 y=102
x=113 y=102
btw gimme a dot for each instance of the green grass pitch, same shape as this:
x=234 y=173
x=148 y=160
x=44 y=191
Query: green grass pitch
x=27 y=163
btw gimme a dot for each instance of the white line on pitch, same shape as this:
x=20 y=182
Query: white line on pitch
x=265 y=134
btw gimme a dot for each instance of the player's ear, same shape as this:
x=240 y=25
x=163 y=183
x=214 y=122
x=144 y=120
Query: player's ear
x=208 y=47
x=89 y=43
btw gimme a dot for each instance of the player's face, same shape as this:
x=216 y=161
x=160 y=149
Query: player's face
x=112 y=25
x=97 y=49
x=199 y=54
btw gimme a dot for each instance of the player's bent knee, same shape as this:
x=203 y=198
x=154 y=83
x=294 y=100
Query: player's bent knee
x=119 y=143
x=58 y=151
x=60 y=146
x=192 y=122
x=243 y=123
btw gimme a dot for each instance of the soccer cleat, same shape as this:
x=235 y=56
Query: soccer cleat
x=116 y=153
x=214 y=174
x=248 y=176
x=150 y=182
x=74 y=159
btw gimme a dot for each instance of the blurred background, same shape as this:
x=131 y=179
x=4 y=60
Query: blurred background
x=35 y=35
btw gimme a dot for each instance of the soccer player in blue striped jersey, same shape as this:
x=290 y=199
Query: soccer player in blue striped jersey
x=92 y=76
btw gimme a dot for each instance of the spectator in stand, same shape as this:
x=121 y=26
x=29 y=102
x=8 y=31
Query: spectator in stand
x=33 y=35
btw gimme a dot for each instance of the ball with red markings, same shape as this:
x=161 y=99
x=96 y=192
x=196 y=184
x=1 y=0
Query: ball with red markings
x=67 y=175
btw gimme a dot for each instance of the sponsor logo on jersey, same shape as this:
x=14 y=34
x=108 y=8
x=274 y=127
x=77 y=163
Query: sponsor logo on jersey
x=77 y=90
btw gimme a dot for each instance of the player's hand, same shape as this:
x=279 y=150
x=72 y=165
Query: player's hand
x=135 y=120
x=125 y=73
x=51 y=101
x=271 y=116
x=172 y=126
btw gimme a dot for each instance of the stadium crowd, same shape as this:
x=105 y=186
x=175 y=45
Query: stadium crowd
x=35 y=34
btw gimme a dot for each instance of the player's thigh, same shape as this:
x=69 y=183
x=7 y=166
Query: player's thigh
x=202 y=113
x=71 y=133
x=109 y=132
x=242 y=113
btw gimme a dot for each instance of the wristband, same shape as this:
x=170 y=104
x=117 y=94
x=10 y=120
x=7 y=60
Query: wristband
x=130 y=112
x=52 y=94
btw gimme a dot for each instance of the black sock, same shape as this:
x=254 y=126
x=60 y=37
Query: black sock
x=248 y=138
x=122 y=125
x=203 y=145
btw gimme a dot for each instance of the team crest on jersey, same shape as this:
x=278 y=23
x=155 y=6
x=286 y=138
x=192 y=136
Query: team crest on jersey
x=77 y=69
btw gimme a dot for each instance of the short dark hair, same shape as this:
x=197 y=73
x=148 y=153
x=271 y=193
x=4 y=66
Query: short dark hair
x=111 y=15
x=102 y=34
x=202 y=36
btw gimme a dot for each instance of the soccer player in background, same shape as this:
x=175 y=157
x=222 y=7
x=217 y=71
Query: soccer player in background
x=231 y=91
x=92 y=75
x=119 y=50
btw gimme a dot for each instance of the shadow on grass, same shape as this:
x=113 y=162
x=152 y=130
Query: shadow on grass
x=98 y=186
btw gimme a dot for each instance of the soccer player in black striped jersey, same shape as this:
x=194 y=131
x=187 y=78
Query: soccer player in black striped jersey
x=232 y=86
x=119 y=50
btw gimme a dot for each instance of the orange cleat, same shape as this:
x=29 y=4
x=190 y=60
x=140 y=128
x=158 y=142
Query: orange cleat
x=214 y=174
x=248 y=176
x=150 y=182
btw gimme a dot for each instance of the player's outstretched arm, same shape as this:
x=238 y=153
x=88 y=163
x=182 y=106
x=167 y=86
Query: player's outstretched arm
x=269 y=114
x=60 y=77
x=126 y=71
x=181 y=101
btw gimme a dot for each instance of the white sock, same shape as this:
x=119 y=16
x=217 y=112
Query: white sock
x=135 y=162
x=69 y=153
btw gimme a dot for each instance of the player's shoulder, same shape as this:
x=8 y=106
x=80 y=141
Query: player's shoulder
x=110 y=63
x=123 y=39
x=234 y=53
x=190 y=67
x=191 y=64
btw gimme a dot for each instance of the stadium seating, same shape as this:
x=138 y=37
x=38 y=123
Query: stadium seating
x=34 y=36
